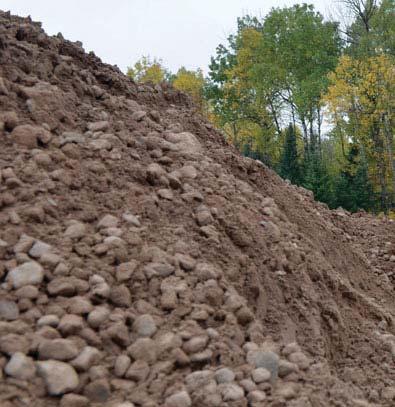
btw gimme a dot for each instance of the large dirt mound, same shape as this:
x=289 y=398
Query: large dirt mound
x=144 y=262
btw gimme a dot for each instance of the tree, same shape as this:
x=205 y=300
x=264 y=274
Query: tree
x=191 y=82
x=289 y=163
x=146 y=70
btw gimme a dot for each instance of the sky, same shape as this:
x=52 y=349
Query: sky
x=179 y=32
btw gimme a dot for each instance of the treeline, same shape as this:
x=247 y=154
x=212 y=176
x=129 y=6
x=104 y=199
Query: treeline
x=313 y=99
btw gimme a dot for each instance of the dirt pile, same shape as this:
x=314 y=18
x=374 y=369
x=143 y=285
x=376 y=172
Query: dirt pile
x=144 y=262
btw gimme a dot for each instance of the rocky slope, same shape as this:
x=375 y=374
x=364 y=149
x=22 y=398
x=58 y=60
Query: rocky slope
x=144 y=262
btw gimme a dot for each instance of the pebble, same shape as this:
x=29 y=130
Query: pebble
x=98 y=316
x=122 y=363
x=39 y=248
x=88 y=357
x=30 y=273
x=50 y=320
x=260 y=375
x=180 y=399
x=231 y=391
x=20 y=366
x=9 y=310
x=59 y=377
x=70 y=324
x=144 y=326
x=266 y=359
x=224 y=375
x=57 y=349
x=74 y=400
x=98 y=391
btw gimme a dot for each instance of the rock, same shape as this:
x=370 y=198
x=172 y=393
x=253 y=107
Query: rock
x=76 y=230
x=20 y=366
x=266 y=359
x=39 y=248
x=195 y=344
x=70 y=324
x=300 y=359
x=231 y=391
x=50 y=320
x=260 y=375
x=120 y=296
x=59 y=377
x=139 y=115
x=125 y=271
x=186 y=262
x=62 y=286
x=24 y=244
x=57 y=349
x=256 y=396
x=99 y=126
x=180 y=399
x=98 y=391
x=144 y=349
x=28 y=291
x=224 y=375
x=198 y=379
x=131 y=219
x=108 y=221
x=290 y=348
x=12 y=343
x=158 y=269
x=98 y=316
x=30 y=273
x=74 y=400
x=122 y=363
x=88 y=357
x=138 y=371
x=288 y=391
x=144 y=326
x=9 y=310
x=285 y=368
x=100 y=289
x=10 y=119
x=28 y=136
x=165 y=193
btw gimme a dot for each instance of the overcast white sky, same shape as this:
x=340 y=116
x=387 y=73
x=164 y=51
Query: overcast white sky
x=180 y=32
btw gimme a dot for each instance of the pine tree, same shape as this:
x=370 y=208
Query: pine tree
x=289 y=166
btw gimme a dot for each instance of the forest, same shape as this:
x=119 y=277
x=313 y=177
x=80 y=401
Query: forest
x=311 y=97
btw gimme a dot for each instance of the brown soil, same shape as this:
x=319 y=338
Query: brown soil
x=208 y=261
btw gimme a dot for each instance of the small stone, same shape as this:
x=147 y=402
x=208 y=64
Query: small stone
x=131 y=219
x=125 y=271
x=186 y=262
x=180 y=399
x=165 y=193
x=74 y=400
x=98 y=391
x=21 y=367
x=28 y=291
x=231 y=392
x=76 y=230
x=195 y=344
x=288 y=391
x=50 y=320
x=57 y=349
x=290 y=348
x=144 y=325
x=59 y=377
x=144 y=349
x=266 y=359
x=30 y=273
x=9 y=310
x=39 y=248
x=300 y=359
x=122 y=363
x=138 y=371
x=139 y=115
x=256 y=396
x=285 y=368
x=88 y=357
x=260 y=375
x=224 y=375
x=24 y=244
x=12 y=343
x=99 y=126
x=108 y=221
x=98 y=316
x=70 y=324
x=120 y=296
x=62 y=286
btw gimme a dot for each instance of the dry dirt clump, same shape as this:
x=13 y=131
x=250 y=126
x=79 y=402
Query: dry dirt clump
x=144 y=262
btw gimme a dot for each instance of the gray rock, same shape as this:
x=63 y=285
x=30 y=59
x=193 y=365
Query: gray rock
x=76 y=230
x=144 y=349
x=266 y=359
x=20 y=366
x=39 y=248
x=30 y=273
x=195 y=344
x=231 y=392
x=180 y=399
x=256 y=396
x=108 y=221
x=131 y=219
x=9 y=310
x=50 y=320
x=144 y=325
x=98 y=316
x=98 y=391
x=88 y=357
x=138 y=371
x=74 y=400
x=59 y=377
x=224 y=375
x=99 y=126
x=122 y=363
x=260 y=375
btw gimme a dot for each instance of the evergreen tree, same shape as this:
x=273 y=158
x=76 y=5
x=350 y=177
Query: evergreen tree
x=289 y=165
x=354 y=190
